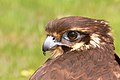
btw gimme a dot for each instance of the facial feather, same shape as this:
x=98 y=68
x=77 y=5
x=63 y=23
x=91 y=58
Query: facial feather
x=98 y=31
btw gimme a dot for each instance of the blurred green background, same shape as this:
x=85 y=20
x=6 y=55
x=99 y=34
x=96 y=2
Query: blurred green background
x=22 y=33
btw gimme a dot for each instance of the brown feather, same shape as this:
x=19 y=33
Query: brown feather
x=91 y=63
x=87 y=25
x=94 y=64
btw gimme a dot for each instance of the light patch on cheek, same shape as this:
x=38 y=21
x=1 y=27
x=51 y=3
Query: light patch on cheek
x=95 y=40
x=94 y=44
x=77 y=46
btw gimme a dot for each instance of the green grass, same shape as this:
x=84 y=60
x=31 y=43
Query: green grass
x=22 y=33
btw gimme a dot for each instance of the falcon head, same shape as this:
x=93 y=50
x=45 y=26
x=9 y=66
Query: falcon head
x=75 y=33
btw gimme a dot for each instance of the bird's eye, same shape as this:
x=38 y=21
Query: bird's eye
x=71 y=35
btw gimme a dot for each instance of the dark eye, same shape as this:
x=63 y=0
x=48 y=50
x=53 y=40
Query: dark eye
x=71 y=35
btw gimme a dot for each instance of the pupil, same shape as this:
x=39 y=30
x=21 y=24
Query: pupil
x=72 y=35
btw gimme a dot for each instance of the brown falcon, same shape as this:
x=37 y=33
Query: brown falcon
x=82 y=49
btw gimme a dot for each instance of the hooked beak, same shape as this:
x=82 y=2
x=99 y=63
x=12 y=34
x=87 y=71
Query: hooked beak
x=50 y=43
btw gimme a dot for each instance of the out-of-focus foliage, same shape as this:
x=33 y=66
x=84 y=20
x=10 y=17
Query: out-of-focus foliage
x=22 y=33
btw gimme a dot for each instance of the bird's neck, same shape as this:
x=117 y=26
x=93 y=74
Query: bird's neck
x=104 y=54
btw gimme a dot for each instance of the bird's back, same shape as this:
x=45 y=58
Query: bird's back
x=95 y=64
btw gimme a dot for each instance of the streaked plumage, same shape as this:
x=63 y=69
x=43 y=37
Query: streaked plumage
x=82 y=49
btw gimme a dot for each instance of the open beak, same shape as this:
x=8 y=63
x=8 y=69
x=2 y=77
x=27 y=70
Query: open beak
x=50 y=43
